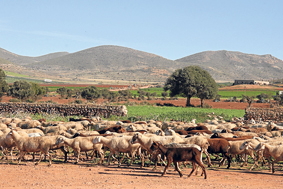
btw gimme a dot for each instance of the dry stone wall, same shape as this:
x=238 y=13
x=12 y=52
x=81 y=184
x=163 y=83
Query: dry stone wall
x=87 y=110
x=264 y=113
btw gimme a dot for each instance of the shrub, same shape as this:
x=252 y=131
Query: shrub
x=78 y=101
x=14 y=100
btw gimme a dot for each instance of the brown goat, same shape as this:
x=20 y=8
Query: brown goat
x=219 y=145
x=216 y=135
x=176 y=155
x=114 y=128
x=199 y=127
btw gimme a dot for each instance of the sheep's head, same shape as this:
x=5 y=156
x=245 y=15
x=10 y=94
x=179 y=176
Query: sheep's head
x=130 y=128
x=260 y=147
x=158 y=132
x=96 y=140
x=60 y=140
x=135 y=138
x=169 y=132
x=246 y=145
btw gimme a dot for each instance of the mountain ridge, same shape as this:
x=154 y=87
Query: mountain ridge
x=112 y=62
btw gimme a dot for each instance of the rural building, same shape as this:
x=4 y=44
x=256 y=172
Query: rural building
x=252 y=82
x=262 y=82
x=48 y=80
x=240 y=82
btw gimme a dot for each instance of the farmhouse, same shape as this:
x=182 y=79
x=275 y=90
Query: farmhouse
x=240 y=82
x=252 y=82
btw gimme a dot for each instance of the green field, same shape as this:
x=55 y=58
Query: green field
x=177 y=113
x=239 y=93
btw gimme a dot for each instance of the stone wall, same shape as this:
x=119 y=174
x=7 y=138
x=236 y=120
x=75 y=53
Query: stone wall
x=264 y=113
x=87 y=110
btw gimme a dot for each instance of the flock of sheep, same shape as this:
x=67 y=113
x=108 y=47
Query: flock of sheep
x=172 y=141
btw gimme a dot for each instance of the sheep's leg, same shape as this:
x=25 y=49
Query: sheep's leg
x=169 y=161
x=20 y=157
x=228 y=158
x=208 y=158
x=199 y=162
x=65 y=153
x=178 y=168
x=40 y=158
x=78 y=157
x=101 y=154
x=120 y=159
x=49 y=156
x=110 y=154
x=273 y=170
x=193 y=169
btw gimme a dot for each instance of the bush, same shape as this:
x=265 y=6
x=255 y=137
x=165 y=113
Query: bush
x=78 y=101
x=205 y=105
x=29 y=101
x=14 y=100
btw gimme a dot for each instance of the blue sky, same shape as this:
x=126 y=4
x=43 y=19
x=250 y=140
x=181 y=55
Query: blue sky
x=172 y=29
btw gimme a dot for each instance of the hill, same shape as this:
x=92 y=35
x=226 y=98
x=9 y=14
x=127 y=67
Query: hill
x=118 y=63
x=229 y=65
x=23 y=60
x=109 y=62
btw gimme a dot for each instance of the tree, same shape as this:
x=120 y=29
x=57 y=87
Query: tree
x=62 y=91
x=91 y=93
x=191 y=81
x=250 y=99
x=164 y=94
x=3 y=84
x=21 y=90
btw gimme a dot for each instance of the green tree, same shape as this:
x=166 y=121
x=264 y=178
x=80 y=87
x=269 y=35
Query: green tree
x=91 y=93
x=191 y=81
x=164 y=94
x=250 y=99
x=21 y=90
x=3 y=84
x=62 y=91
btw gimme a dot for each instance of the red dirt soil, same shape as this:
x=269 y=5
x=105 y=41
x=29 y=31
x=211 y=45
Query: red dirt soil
x=84 y=175
x=180 y=102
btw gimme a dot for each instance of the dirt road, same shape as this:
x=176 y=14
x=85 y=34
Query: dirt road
x=85 y=175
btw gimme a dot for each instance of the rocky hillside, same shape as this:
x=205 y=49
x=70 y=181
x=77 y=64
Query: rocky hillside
x=121 y=63
x=230 y=65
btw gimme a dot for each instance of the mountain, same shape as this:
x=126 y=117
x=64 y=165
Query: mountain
x=229 y=65
x=118 y=63
x=109 y=62
x=23 y=60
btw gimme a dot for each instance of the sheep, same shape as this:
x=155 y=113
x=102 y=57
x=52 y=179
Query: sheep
x=113 y=128
x=219 y=146
x=176 y=155
x=32 y=144
x=275 y=151
x=53 y=130
x=81 y=144
x=146 y=141
x=118 y=144
x=28 y=124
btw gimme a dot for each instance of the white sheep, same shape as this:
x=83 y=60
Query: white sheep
x=117 y=145
x=82 y=144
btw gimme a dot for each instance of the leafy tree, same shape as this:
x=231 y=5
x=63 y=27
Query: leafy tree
x=21 y=90
x=191 y=81
x=62 y=91
x=91 y=93
x=263 y=97
x=126 y=93
x=164 y=94
x=3 y=84
x=250 y=99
